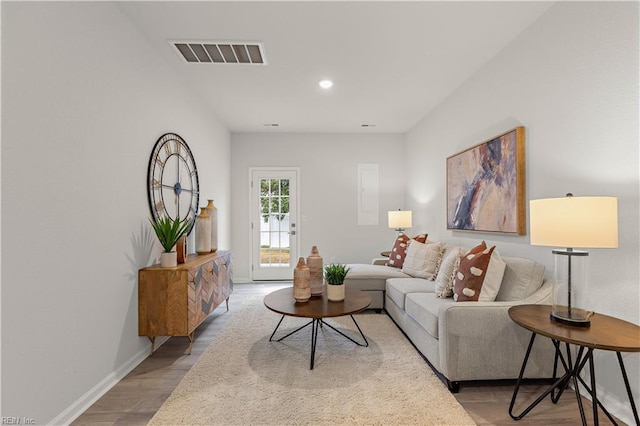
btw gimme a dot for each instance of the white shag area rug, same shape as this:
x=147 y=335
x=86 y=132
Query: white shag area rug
x=244 y=379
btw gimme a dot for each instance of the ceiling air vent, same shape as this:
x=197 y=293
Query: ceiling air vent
x=221 y=52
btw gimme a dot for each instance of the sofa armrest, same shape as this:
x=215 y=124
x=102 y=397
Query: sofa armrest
x=478 y=340
x=379 y=261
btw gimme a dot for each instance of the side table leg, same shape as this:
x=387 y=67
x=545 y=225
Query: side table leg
x=559 y=382
x=517 y=388
x=626 y=384
x=579 y=363
x=594 y=398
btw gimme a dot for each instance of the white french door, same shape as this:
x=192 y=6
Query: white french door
x=274 y=236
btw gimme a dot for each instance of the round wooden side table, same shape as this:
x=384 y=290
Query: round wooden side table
x=605 y=333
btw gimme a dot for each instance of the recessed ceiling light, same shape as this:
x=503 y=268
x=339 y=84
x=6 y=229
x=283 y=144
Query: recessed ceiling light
x=325 y=84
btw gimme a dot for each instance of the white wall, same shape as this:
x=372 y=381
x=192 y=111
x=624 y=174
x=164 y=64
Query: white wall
x=572 y=80
x=327 y=185
x=83 y=102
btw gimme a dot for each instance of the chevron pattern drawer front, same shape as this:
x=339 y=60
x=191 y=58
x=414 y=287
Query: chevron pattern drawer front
x=175 y=301
x=209 y=285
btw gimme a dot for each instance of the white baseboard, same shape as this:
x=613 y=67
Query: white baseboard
x=88 y=399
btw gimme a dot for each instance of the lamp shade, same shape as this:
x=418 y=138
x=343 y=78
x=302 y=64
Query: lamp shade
x=400 y=219
x=587 y=222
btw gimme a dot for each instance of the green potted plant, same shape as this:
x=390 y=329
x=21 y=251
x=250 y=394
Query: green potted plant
x=334 y=275
x=169 y=231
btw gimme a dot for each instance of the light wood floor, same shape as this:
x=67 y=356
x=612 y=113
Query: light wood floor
x=136 y=398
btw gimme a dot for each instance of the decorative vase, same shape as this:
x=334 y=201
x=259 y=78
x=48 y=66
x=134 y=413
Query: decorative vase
x=212 y=211
x=168 y=259
x=181 y=249
x=314 y=262
x=203 y=232
x=335 y=292
x=301 y=282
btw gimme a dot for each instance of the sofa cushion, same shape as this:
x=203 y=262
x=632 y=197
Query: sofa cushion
x=423 y=308
x=399 y=250
x=447 y=271
x=522 y=277
x=371 y=277
x=423 y=259
x=479 y=275
x=398 y=288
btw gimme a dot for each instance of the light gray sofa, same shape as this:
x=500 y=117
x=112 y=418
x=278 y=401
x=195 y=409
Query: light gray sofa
x=463 y=341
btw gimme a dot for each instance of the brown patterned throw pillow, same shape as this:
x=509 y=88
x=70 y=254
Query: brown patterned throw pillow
x=399 y=250
x=471 y=273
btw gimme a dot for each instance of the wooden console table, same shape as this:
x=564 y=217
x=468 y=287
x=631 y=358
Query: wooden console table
x=175 y=301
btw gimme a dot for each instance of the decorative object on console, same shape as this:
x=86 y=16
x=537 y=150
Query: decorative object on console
x=486 y=186
x=399 y=220
x=172 y=180
x=314 y=262
x=212 y=211
x=479 y=275
x=181 y=249
x=169 y=231
x=203 y=232
x=399 y=250
x=335 y=274
x=301 y=282
x=585 y=222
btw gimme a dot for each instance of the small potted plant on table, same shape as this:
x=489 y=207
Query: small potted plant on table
x=335 y=274
x=169 y=231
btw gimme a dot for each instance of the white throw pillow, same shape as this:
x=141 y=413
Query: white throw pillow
x=493 y=278
x=447 y=272
x=422 y=260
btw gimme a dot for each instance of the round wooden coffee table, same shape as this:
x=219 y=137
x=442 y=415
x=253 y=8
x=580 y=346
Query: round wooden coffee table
x=317 y=308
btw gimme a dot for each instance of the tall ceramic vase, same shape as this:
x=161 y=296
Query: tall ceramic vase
x=203 y=232
x=301 y=282
x=212 y=211
x=314 y=262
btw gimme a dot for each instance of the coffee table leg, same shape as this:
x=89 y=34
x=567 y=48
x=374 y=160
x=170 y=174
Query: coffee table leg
x=314 y=340
x=365 y=344
x=276 y=329
x=293 y=332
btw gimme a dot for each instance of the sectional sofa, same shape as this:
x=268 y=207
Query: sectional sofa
x=461 y=340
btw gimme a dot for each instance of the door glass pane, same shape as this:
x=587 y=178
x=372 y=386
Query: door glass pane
x=274 y=224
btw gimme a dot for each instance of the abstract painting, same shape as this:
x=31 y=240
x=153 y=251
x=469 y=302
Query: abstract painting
x=486 y=187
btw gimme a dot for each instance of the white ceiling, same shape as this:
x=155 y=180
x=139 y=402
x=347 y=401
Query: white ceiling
x=391 y=62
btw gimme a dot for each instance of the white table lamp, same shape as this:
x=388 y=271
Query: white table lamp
x=585 y=222
x=399 y=220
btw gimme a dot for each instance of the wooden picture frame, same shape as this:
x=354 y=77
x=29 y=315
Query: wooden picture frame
x=486 y=186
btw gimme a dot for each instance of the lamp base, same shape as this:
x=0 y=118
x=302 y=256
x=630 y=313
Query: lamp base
x=576 y=317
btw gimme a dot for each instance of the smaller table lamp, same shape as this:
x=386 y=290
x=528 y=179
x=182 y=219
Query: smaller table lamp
x=586 y=222
x=400 y=220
